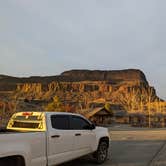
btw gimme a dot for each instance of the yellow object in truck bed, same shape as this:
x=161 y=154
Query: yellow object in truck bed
x=27 y=121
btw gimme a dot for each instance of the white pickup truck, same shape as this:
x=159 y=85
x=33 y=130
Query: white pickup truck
x=51 y=138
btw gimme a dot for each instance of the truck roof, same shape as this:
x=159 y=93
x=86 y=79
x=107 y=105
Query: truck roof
x=62 y=113
x=68 y=113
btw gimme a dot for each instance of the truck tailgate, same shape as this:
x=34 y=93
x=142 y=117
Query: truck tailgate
x=30 y=145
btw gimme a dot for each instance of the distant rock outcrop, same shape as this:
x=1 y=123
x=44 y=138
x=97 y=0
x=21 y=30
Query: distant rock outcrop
x=78 y=86
x=114 y=76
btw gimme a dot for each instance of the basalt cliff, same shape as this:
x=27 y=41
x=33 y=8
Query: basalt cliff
x=79 y=88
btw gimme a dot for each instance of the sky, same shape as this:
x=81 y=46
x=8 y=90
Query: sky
x=39 y=37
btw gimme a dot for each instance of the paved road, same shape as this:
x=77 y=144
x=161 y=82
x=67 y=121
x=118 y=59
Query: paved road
x=132 y=147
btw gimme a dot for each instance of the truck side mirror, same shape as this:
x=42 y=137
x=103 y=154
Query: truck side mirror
x=92 y=126
x=89 y=127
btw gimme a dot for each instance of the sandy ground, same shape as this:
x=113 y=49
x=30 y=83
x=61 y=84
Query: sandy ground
x=132 y=147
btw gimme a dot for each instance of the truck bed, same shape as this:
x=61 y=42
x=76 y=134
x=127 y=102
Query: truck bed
x=7 y=131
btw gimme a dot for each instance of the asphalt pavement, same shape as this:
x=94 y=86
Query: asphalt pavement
x=132 y=147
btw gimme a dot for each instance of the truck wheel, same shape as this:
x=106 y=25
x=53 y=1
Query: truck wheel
x=102 y=152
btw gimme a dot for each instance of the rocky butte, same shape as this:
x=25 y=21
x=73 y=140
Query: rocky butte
x=80 y=87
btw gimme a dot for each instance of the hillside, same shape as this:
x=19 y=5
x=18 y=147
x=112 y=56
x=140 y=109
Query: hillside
x=76 y=85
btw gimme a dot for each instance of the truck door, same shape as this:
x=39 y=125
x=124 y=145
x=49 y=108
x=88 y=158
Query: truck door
x=59 y=140
x=84 y=136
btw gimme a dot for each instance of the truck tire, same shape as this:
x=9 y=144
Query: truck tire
x=102 y=153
